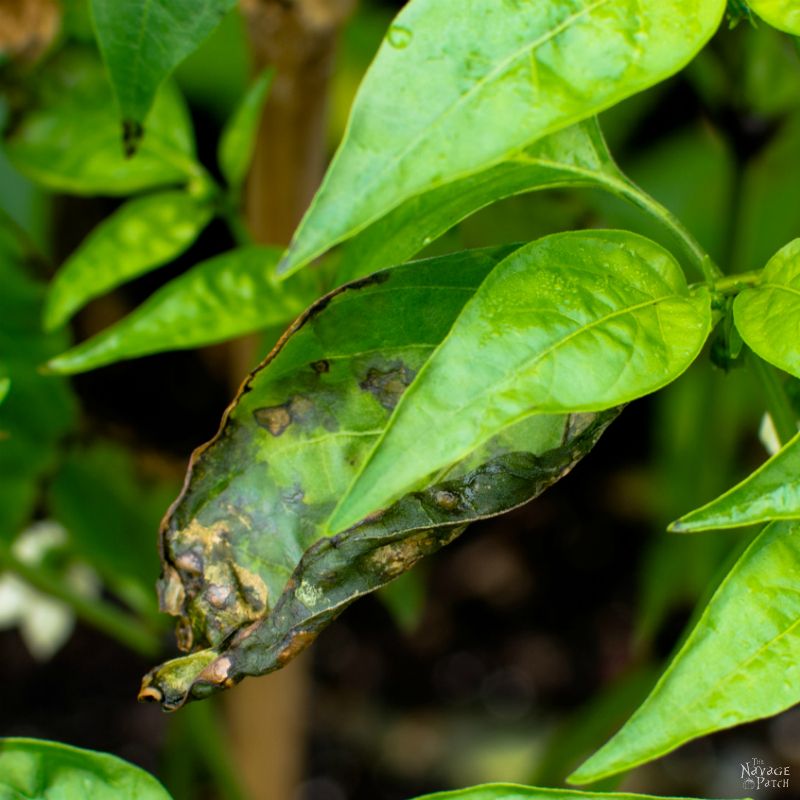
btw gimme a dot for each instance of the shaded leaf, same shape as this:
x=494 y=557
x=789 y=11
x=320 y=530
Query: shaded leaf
x=67 y=136
x=143 y=234
x=781 y=14
x=473 y=83
x=508 y=791
x=246 y=563
x=238 y=140
x=5 y=385
x=218 y=299
x=37 y=769
x=142 y=41
x=579 y=321
x=772 y=492
x=727 y=672
x=768 y=315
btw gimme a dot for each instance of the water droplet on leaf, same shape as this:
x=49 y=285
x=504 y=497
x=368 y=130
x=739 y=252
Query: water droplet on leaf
x=399 y=36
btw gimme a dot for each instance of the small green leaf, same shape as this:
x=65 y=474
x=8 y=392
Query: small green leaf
x=781 y=14
x=5 y=385
x=508 y=791
x=142 y=41
x=575 y=322
x=36 y=769
x=238 y=140
x=247 y=565
x=772 y=492
x=768 y=315
x=458 y=87
x=224 y=297
x=143 y=234
x=740 y=663
x=67 y=136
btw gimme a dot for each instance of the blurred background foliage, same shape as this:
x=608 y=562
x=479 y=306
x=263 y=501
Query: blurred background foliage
x=508 y=657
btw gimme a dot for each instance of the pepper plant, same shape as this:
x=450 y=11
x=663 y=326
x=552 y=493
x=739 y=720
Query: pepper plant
x=414 y=397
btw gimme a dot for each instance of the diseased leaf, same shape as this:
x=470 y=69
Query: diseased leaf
x=67 y=137
x=772 y=492
x=224 y=297
x=39 y=770
x=574 y=322
x=475 y=82
x=142 y=41
x=781 y=14
x=143 y=234
x=238 y=140
x=246 y=562
x=768 y=315
x=740 y=662
x=508 y=791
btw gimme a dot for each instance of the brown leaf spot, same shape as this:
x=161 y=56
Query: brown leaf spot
x=297 y=644
x=216 y=672
x=387 y=386
x=276 y=419
x=321 y=366
x=447 y=501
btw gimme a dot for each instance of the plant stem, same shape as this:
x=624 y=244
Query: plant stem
x=733 y=284
x=628 y=190
x=96 y=612
x=778 y=405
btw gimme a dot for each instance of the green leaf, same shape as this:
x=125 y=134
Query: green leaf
x=246 y=563
x=740 y=662
x=459 y=87
x=142 y=41
x=218 y=299
x=772 y=492
x=576 y=156
x=768 y=315
x=36 y=769
x=575 y=322
x=143 y=234
x=508 y=791
x=67 y=136
x=238 y=140
x=5 y=385
x=781 y=14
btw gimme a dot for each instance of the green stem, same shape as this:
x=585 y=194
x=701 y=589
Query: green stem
x=628 y=190
x=96 y=612
x=733 y=284
x=778 y=405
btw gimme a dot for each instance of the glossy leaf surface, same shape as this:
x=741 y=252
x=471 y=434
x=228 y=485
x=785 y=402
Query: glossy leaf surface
x=142 y=41
x=143 y=234
x=740 y=663
x=768 y=315
x=473 y=83
x=781 y=14
x=67 y=137
x=226 y=296
x=576 y=156
x=246 y=563
x=238 y=140
x=40 y=770
x=508 y=791
x=573 y=322
x=772 y=492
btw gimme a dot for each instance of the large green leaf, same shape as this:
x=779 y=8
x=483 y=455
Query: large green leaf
x=38 y=770
x=246 y=562
x=224 y=297
x=459 y=86
x=143 y=234
x=238 y=140
x=67 y=136
x=781 y=14
x=508 y=791
x=772 y=492
x=142 y=41
x=768 y=315
x=740 y=662
x=574 y=322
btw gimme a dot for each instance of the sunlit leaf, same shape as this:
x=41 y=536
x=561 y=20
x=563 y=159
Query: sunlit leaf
x=768 y=315
x=247 y=565
x=224 y=297
x=740 y=663
x=238 y=140
x=143 y=234
x=574 y=322
x=781 y=14
x=142 y=41
x=459 y=86
x=36 y=769
x=508 y=791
